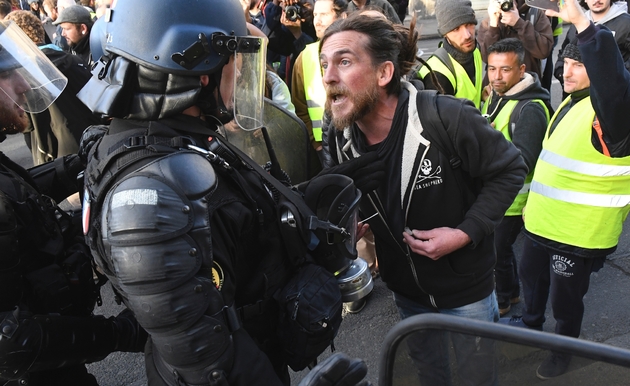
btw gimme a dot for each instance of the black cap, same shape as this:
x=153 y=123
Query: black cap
x=571 y=51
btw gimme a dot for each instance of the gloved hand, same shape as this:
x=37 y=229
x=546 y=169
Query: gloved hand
x=129 y=335
x=88 y=139
x=73 y=166
x=337 y=370
x=367 y=171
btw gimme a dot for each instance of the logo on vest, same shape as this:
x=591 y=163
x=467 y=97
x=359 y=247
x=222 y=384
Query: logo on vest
x=561 y=264
x=428 y=176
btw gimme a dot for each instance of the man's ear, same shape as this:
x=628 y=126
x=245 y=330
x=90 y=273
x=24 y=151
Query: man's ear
x=204 y=79
x=385 y=73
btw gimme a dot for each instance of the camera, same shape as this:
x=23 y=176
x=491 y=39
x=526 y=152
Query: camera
x=293 y=12
x=506 y=5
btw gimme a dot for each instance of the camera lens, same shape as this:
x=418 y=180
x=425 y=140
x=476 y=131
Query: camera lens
x=291 y=12
x=506 y=5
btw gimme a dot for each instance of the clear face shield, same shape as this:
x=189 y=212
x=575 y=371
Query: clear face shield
x=34 y=81
x=249 y=80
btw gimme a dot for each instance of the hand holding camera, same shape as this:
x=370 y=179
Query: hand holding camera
x=292 y=17
x=504 y=11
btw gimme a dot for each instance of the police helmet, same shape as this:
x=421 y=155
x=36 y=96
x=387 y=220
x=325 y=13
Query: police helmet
x=181 y=39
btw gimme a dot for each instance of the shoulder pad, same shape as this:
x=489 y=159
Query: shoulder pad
x=189 y=170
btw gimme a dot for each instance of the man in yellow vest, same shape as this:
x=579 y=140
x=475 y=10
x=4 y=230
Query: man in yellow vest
x=518 y=108
x=580 y=192
x=308 y=94
x=457 y=63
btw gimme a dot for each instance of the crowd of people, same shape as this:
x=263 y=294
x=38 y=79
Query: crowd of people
x=447 y=160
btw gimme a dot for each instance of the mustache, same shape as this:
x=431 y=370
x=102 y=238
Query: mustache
x=335 y=90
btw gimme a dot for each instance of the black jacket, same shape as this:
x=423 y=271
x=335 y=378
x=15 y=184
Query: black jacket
x=424 y=192
x=531 y=125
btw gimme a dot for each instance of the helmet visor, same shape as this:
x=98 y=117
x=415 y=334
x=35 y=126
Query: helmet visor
x=249 y=82
x=35 y=82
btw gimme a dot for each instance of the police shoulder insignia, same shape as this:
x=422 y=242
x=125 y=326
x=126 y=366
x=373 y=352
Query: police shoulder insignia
x=217 y=275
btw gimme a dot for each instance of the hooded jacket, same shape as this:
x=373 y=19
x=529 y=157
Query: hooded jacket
x=533 y=30
x=424 y=192
x=530 y=127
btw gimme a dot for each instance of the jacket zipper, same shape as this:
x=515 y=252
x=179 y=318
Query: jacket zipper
x=406 y=252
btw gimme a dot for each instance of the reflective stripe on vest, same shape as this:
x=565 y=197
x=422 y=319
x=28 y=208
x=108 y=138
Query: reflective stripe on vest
x=501 y=123
x=579 y=196
x=314 y=88
x=460 y=81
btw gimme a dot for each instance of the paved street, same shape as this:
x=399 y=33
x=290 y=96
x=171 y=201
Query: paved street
x=607 y=316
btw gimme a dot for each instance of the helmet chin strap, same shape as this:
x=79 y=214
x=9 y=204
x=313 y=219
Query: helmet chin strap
x=222 y=113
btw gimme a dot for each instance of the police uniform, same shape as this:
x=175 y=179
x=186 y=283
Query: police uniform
x=192 y=250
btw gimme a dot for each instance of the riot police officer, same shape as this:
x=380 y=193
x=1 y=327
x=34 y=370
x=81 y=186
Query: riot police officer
x=183 y=226
x=47 y=289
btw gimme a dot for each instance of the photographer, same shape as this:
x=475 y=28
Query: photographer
x=289 y=33
x=517 y=20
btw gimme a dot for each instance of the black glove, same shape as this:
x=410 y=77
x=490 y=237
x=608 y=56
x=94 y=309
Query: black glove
x=90 y=136
x=73 y=167
x=129 y=335
x=367 y=171
x=337 y=370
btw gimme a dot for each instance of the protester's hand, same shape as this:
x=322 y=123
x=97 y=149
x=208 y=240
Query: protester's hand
x=367 y=171
x=572 y=12
x=494 y=13
x=437 y=242
x=362 y=229
x=245 y=5
x=337 y=370
x=510 y=17
x=486 y=92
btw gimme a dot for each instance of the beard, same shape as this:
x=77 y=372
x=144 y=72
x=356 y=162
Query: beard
x=362 y=103
x=12 y=121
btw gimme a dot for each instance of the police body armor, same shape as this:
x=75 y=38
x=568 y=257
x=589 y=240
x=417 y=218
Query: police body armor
x=44 y=285
x=162 y=205
x=161 y=258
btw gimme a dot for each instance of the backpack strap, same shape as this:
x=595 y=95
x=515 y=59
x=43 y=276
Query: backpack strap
x=435 y=132
x=441 y=54
x=516 y=113
x=427 y=109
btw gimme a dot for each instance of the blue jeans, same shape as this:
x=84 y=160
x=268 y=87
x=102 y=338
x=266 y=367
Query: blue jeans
x=476 y=361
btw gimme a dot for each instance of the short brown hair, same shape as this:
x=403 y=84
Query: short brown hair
x=29 y=23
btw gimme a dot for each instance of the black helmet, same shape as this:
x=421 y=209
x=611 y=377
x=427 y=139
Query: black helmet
x=174 y=37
